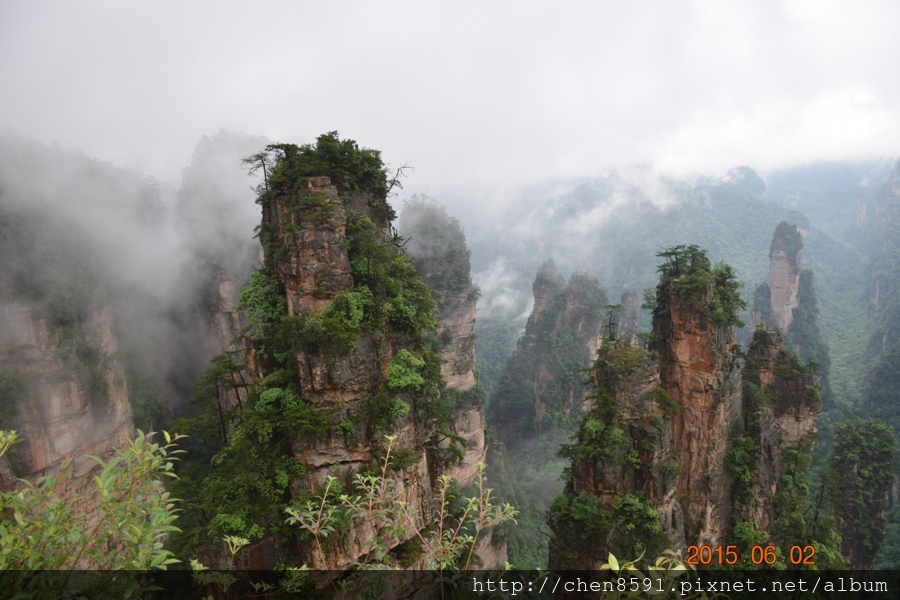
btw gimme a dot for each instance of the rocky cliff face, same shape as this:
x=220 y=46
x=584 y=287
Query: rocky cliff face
x=784 y=274
x=541 y=383
x=437 y=245
x=700 y=372
x=671 y=446
x=781 y=406
x=622 y=467
x=789 y=302
x=344 y=382
x=307 y=228
x=74 y=397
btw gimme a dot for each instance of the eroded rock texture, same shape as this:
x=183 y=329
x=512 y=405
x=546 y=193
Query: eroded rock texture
x=700 y=371
x=653 y=465
x=75 y=397
x=784 y=275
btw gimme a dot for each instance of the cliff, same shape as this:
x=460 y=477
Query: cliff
x=66 y=395
x=684 y=447
x=784 y=274
x=781 y=404
x=344 y=398
x=700 y=372
x=623 y=467
x=541 y=386
x=74 y=399
x=437 y=245
x=306 y=232
x=63 y=385
x=788 y=301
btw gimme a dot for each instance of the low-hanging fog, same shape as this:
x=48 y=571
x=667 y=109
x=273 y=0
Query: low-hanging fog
x=82 y=233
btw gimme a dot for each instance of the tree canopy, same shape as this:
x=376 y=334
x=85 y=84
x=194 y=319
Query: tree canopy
x=349 y=166
x=711 y=288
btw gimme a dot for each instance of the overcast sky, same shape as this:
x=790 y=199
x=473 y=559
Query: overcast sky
x=469 y=93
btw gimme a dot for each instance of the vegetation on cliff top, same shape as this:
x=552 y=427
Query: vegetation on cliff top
x=349 y=166
x=788 y=237
x=713 y=289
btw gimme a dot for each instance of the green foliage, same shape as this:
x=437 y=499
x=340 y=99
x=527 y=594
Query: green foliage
x=338 y=329
x=617 y=360
x=888 y=556
x=555 y=345
x=383 y=411
x=437 y=244
x=712 y=289
x=800 y=519
x=402 y=458
x=346 y=428
x=669 y=405
x=263 y=300
x=446 y=542
x=592 y=431
x=670 y=469
x=596 y=440
x=882 y=386
x=44 y=526
x=530 y=481
x=746 y=535
x=403 y=371
x=742 y=460
x=281 y=414
x=788 y=238
x=240 y=468
x=860 y=471
x=409 y=552
x=632 y=460
x=349 y=166
x=629 y=523
x=581 y=516
x=265 y=308
x=398 y=295
x=454 y=398
x=648 y=299
x=636 y=516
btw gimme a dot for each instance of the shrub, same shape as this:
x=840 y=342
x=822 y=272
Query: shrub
x=43 y=526
x=403 y=371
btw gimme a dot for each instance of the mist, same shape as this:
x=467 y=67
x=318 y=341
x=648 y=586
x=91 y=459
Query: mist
x=85 y=234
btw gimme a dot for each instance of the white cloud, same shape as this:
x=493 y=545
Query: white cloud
x=485 y=94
